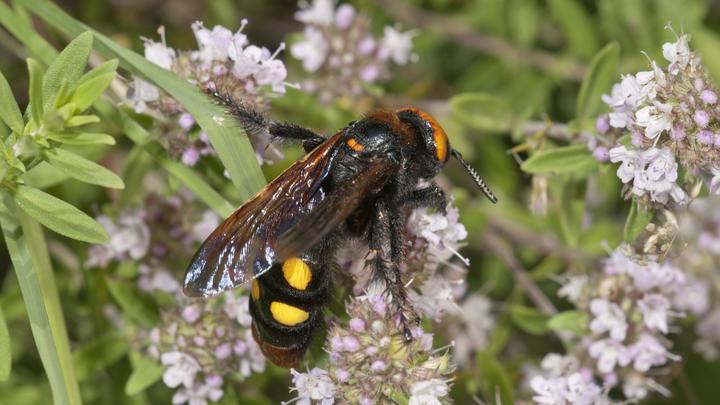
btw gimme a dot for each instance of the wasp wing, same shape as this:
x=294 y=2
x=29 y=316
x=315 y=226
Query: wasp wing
x=273 y=224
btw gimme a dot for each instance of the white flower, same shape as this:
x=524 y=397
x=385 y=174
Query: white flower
x=678 y=54
x=181 y=369
x=573 y=288
x=164 y=281
x=428 y=392
x=201 y=229
x=140 y=93
x=396 y=45
x=632 y=163
x=656 y=275
x=159 y=54
x=548 y=391
x=314 y=385
x=647 y=352
x=692 y=296
x=625 y=96
x=237 y=308
x=320 y=12
x=312 y=50
x=608 y=318
x=609 y=353
x=198 y=394
x=132 y=237
x=253 y=360
x=654 y=308
x=435 y=298
x=581 y=391
x=655 y=119
x=443 y=232
x=557 y=365
x=214 y=45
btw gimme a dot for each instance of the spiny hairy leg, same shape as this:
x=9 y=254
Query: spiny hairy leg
x=385 y=234
x=255 y=123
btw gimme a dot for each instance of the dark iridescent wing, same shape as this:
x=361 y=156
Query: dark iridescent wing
x=284 y=219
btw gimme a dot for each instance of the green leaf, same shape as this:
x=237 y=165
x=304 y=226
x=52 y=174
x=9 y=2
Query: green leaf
x=567 y=159
x=67 y=67
x=598 y=79
x=529 y=319
x=636 y=221
x=43 y=176
x=91 y=90
x=59 y=216
x=134 y=304
x=232 y=146
x=79 y=120
x=495 y=379
x=26 y=33
x=145 y=373
x=482 y=112
x=100 y=70
x=5 y=352
x=31 y=261
x=99 y=354
x=82 y=138
x=82 y=169
x=578 y=27
x=36 y=94
x=569 y=321
x=9 y=111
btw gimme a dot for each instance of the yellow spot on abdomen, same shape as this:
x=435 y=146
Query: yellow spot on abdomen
x=255 y=291
x=288 y=315
x=297 y=273
x=355 y=145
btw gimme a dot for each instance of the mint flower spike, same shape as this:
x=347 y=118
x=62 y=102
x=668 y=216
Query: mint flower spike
x=341 y=52
x=673 y=121
x=224 y=60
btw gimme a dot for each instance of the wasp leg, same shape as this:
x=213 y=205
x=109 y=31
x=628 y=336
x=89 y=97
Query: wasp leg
x=386 y=242
x=255 y=123
x=431 y=196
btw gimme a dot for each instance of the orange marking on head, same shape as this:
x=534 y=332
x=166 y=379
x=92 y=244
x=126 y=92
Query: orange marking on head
x=440 y=137
x=355 y=145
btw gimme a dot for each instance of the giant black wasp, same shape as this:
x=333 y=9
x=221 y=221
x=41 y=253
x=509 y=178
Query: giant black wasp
x=359 y=183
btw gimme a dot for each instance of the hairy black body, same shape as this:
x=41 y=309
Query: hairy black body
x=361 y=183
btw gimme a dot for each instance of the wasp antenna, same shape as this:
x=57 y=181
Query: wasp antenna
x=475 y=176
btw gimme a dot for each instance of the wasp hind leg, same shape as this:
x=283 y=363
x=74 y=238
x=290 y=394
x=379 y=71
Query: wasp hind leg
x=386 y=243
x=255 y=123
x=431 y=196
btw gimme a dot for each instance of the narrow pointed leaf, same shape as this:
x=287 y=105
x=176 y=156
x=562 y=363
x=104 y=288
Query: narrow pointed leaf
x=91 y=90
x=9 y=110
x=145 y=373
x=36 y=93
x=82 y=169
x=598 y=80
x=68 y=67
x=59 y=216
x=83 y=138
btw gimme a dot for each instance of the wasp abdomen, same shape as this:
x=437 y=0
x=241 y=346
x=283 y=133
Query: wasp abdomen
x=286 y=307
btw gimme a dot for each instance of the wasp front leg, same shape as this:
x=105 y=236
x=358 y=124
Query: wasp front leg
x=386 y=242
x=431 y=196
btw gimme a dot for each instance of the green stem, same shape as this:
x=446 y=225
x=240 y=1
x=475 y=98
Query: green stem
x=30 y=258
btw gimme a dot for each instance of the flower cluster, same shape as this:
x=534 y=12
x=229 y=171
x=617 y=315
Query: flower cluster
x=224 y=60
x=158 y=237
x=670 y=116
x=201 y=343
x=370 y=362
x=342 y=53
x=630 y=306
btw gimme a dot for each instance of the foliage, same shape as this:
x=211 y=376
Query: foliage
x=130 y=169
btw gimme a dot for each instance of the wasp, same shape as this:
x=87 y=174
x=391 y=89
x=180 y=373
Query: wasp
x=362 y=182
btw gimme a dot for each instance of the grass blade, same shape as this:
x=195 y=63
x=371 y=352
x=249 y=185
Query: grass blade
x=28 y=251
